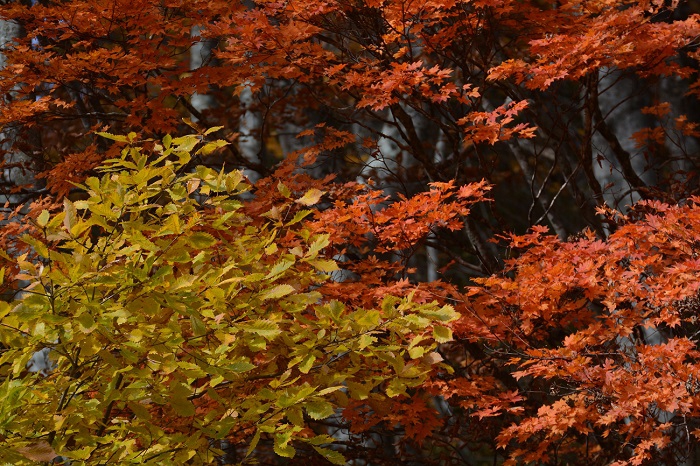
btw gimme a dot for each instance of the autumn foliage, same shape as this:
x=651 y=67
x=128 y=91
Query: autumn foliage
x=382 y=231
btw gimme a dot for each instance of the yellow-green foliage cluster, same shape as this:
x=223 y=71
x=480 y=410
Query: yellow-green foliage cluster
x=175 y=320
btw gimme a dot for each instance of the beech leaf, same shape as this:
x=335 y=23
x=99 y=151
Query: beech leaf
x=311 y=197
x=38 y=451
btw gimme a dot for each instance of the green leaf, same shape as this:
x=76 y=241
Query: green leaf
x=185 y=144
x=324 y=265
x=293 y=395
x=298 y=217
x=276 y=292
x=103 y=210
x=181 y=405
x=240 y=366
x=43 y=218
x=366 y=339
x=279 y=268
x=264 y=328
x=86 y=321
x=396 y=387
x=307 y=363
x=198 y=327
x=113 y=137
x=295 y=416
x=320 y=242
x=416 y=352
x=367 y=318
x=442 y=334
x=282 y=448
x=200 y=240
x=445 y=314
x=253 y=443
x=284 y=190
x=213 y=129
x=210 y=147
x=332 y=456
x=319 y=409
x=36 y=244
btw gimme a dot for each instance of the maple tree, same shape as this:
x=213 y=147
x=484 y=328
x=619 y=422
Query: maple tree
x=577 y=347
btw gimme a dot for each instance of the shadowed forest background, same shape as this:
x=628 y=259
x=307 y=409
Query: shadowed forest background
x=374 y=231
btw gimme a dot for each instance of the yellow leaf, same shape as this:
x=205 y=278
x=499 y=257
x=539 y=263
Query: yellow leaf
x=311 y=197
x=43 y=218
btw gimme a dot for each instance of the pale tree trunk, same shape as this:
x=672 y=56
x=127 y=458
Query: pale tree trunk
x=15 y=172
x=250 y=124
x=681 y=149
x=617 y=163
x=200 y=54
x=432 y=255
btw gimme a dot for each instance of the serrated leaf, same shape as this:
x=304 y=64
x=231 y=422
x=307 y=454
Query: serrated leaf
x=396 y=387
x=366 y=340
x=201 y=240
x=307 y=363
x=293 y=396
x=43 y=218
x=368 y=318
x=233 y=180
x=284 y=190
x=283 y=448
x=213 y=129
x=185 y=144
x=298 y=217
x=311 y=197
x=113 y=137
x=432 y=358
x=416 y=352
x=319 y=409
x=198 y=327
x=324 y=265
x=104 y=211
x=70 y=214
x=38 y=246
x=319 y=242
x=332 y=456
x=253 y=443
x=445 y=314
x=328 y=390
x=276 y=292
x=86 y=321
x=295 y=416
x=279 y=268
x=210 y=147
x=264 y=328
x=240 y=366
x=442 y=334
x=192 y=185
x=181 y=405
